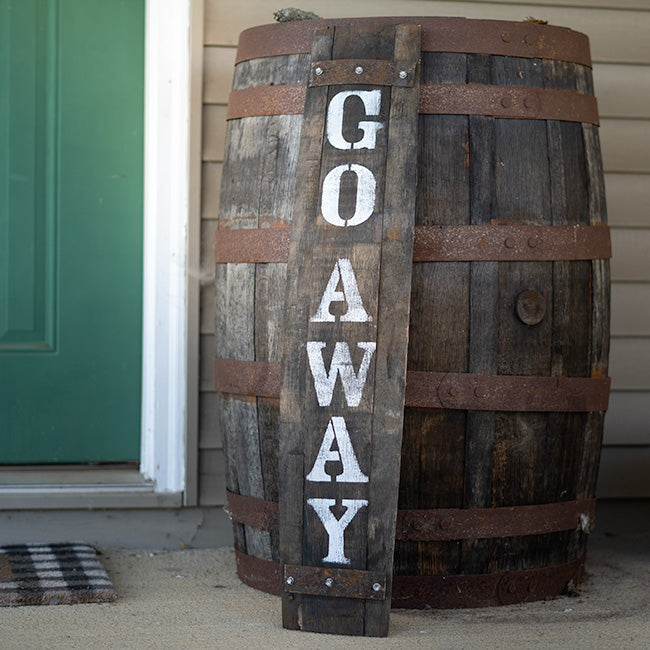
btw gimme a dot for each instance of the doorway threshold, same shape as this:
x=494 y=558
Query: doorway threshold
x=48 y=487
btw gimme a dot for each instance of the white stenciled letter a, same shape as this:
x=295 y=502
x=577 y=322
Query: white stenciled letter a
x=337 y=429
x=356 y=313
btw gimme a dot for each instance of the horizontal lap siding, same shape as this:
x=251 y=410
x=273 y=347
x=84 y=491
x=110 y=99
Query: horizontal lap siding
x=620 y=49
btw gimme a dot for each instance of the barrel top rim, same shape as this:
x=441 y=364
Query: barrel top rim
x=439 y=34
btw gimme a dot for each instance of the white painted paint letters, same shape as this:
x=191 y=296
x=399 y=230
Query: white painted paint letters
x=337 y=430
x=356 y=313
x=336 y=527
x=343 y=287
x=372 y=103
x=365 y=199
x=366 y=183
x=324 y=381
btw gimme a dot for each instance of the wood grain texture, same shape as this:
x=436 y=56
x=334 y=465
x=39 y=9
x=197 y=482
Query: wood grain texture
x=484 y=320
x=393 y=321
x=256 y=191
x=380 y=252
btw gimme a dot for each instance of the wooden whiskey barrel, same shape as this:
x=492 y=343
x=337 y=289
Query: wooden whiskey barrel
x=508 y=339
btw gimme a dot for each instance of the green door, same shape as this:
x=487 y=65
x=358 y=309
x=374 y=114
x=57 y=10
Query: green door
x=71 y=168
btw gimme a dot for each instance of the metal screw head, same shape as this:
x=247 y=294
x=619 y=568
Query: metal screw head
x=506 y=102
x=290 y=580
x=509 y=243
x=403 y=74
x=529 y=102
x=376 y=586
x=329 y=582
x=505 y=37
x=319 y=71
x=358 y=70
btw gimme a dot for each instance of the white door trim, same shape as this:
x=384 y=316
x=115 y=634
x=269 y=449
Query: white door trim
x=167 y=324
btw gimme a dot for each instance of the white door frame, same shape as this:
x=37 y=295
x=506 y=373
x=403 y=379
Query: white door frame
x=171 y=220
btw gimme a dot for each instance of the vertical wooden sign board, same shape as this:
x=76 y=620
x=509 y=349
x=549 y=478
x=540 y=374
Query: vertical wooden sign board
x=346 y=334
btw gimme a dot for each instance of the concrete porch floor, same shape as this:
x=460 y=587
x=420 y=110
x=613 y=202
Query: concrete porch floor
x=193 y=599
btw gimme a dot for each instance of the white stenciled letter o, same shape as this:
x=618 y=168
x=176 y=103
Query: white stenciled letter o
x=365 y=199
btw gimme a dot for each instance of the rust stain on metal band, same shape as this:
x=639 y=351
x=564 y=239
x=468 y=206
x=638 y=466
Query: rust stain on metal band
x=441 y=244
x=510 y=243
x=254 y=378
x=510 y=102
x=252 y=245
x=495 y=37
x=258 y=573
x=488 y=590
x=440 y=390
x=338 y=583
x=362 y=71
x=485 y=523
x=252 y=511
x=507 y=102
x=266 y=100
x=472 y=392
x=442 y=592
x=447 y=524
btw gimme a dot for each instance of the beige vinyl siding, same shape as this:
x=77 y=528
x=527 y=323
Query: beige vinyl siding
x=620 y=47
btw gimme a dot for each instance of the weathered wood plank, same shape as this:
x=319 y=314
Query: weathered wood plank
x=374 y=252
x=484 y=324
x=523 y=196
x=291 y=482
x=393 y=323
x=256 y=191
x=439 y=307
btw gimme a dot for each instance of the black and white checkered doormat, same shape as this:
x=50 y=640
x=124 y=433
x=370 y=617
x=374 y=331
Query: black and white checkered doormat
x=52 y=574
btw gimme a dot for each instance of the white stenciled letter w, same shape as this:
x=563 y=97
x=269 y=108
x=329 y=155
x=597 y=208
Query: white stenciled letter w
x=324 y=382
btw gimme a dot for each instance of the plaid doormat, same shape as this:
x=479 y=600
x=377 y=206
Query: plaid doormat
x=52 y=574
